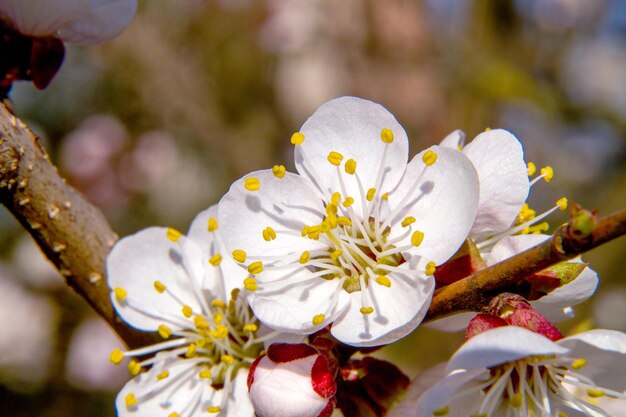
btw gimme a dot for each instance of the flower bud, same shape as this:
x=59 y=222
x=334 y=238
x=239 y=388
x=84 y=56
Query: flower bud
x=292 y=380
x=516 y=311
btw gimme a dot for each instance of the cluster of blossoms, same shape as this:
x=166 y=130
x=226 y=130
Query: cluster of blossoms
x=263 y=303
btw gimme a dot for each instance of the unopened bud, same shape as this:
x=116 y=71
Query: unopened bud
x=516 y=311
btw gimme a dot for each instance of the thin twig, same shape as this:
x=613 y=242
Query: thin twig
x=474 y=292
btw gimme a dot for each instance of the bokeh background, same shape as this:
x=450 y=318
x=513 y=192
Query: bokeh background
x=155 y=125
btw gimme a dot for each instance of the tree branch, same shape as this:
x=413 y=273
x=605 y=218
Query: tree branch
x=72 y=233
x=475 y=292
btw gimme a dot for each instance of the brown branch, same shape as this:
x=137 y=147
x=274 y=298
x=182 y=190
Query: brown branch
x=72 y=233
x=474 y=292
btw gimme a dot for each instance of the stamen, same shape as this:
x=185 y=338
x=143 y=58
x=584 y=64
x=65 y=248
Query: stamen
x=429 y=157
x=335 y=158
x=532 y=168
x=120 y=293
x=386 y=135
x=279 y=171
x=318 y=319
x=159 y=287
x=297 y=139
x=173 y=234
x=255 y=268
x=216 y=259
x=350 y=166
x=212 y=224
x=269 y=234
x=252 y=184
x=239 y=255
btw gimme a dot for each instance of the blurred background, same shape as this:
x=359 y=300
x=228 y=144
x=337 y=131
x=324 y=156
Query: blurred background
x=155 y=125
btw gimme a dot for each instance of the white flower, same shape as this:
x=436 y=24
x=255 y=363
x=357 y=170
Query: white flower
x=79 y=21
x=353 y=239
x=182 y=287
x=292 y=380
x=512 y=371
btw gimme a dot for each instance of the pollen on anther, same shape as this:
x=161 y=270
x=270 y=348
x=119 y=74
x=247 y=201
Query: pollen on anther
x=116 y=357
x=547 y=173
x=532 y=168
x=407 y=221
x=579 y=364
x=164 y=331
x=216 y=259
x=335 y=198
x=173 y=415
x=348 y=202
x=191 y=350
x=250 y=328
x=205 y=374
x=252 y=184
x=336 y=254
x=305 y=257
x=383 y=280
x=335 y=158
x=163 y=375
x=562 y=203
x=350 y=166
x=417 y=238
x=239 y=255
x=214 y=409
x=269 y=234
x=366 y=310
x=159 y=287
x=297 y=138
x=120 y=293
x=370 y=194
x=187 y=311
x=173 y=234
x=279 y=171
x=318 y=319
x=595 y=393
x=228 y=359
x=130 y=400
x=386 y=135
x=250 y=284
x=255 y=267
x=134 y=367
x=430 y=269
x=429 y=158
x=212 y=225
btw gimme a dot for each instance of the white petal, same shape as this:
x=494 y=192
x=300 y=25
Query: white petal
x=243 y=214
x=43 y=17
x=285 y=389
x=106 y=19
x=454 y=140
x=220 y=280
x=398 y=310
x=500 y=345
x=352 y=127
x=446 y=393
x=512 y=245
x=292 y=308
x=498 y=158
x=161 y=397
x=444 y=204
x=605 y=353
x=137 y=261
x=454 y=323
x=408 y=404
x=238 y=404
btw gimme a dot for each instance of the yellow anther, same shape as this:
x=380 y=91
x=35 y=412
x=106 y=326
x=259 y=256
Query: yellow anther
x=255 y=267
x=383 y=280
x=250 y=328
x=386 y=135
x=218 y=304
x=335 y=199
x=239 y=255
x=332 y=221
x=335 y=158
x=173 y=415
x=116 y=357
x=385 y=196
x=429 y=158
x=417 y=238
x=297 y=138
x=430 y=269
x=212 y=224
x=525 y=214
x=191 y=350
x=279 y=171
x=164 y=331
x=305 y=257
x=220 y=331
x=336 y=254
x=159 y=287
x=562 y=203
x=205 y=374
x=548 y=173
x=595 y=393
x=344 y=221
x=407 y=221
x=440 y=412
x=134 y=367
x=252 y=184
x=370 y=194
x=218 y=318
x=562 y=414
x=250 y=284
x=331 y=209
x=516 y=400
x=227 y=359
x=350 y=166
x=269 y=234
x=130 y=400
x=305 y=231
x=163 y=375
x=579 y=363
x=532 y=168
x=324 y=226
x=214 y=409
x=348 y=202
x=367 y=310
x=173 y=234
x=120 y=293
x=539 y=228
x=318 y=319
x=187 y=311
x=215 y=259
